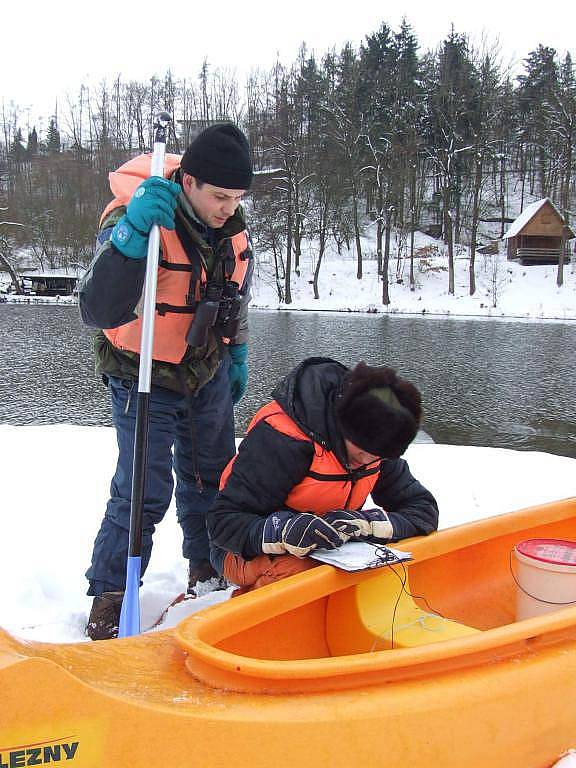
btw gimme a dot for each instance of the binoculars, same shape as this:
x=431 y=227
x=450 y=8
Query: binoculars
x=220 y=309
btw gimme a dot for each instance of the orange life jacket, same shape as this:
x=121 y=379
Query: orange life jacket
x=174 y=313
x=327 y=485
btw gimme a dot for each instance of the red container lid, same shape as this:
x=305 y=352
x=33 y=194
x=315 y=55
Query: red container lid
x=556 y=551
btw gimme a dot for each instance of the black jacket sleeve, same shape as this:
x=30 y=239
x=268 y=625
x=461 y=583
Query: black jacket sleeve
x=112 y=286
x=268 y=465
x=412 y=509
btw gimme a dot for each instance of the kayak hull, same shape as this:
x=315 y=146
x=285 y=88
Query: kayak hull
x=210 y=693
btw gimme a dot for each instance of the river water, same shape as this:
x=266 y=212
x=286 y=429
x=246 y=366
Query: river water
x=484 y=382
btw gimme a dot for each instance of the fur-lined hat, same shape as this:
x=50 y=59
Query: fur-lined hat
x=378 y=411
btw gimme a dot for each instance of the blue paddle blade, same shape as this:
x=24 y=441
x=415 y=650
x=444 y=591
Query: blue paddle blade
x=130 y=613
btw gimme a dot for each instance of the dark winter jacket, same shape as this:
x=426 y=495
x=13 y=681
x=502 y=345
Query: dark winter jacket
x=113 y=285
x=269 y=464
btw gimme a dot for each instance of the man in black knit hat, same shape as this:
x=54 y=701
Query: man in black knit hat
x=199 y=367
x=331 y=437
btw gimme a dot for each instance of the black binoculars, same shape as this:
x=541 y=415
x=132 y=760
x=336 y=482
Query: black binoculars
x=220 y=309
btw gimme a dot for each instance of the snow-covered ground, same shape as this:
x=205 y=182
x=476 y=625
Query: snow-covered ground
x=55 y=487
x=524 y=292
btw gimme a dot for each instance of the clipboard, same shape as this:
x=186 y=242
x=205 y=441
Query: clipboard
x=360 y=556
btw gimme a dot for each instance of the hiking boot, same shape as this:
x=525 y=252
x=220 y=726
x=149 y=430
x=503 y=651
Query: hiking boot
x=202 y=578
x=105 y=616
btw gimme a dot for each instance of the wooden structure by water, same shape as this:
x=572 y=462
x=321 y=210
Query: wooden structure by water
x=539 y=234
x=49 y=283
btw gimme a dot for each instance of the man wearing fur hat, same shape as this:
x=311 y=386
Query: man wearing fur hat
x=330 y=438
x=199 y=366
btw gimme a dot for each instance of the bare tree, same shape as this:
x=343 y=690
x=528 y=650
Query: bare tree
x=6 y=244
x=494 y=276
x=322 y=214
x=385 y=208
x=444 y=161
x=347 y=138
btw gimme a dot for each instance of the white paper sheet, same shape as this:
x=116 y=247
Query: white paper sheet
x=360 y=555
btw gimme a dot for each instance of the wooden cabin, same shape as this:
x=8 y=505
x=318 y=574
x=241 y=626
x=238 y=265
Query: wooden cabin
x=538 y=234
x=50 y=283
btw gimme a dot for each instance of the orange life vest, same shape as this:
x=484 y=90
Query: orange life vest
x=174 y=313
x=327 y=485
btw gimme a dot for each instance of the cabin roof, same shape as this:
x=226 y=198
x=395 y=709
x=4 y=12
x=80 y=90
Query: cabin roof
x=49 y=273
x=528 y=213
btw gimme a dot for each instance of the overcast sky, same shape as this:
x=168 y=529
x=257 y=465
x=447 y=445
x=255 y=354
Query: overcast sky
x=49 y=48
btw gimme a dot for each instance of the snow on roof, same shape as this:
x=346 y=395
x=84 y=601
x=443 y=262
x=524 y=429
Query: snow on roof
x=67 y=273
x=528 y=213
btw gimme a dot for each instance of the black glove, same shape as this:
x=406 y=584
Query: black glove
x=297 y=533
x=347 y=523
x=361 y=523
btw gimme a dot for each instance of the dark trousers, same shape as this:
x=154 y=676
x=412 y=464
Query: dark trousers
x=191 y=438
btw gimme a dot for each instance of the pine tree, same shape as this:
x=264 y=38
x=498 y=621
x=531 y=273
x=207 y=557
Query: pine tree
x=451 y=115
x=17 y=150
x=53 y=144
x=535 y=87
x=32 y=147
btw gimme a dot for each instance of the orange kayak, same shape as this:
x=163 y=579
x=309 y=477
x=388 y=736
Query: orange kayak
x=420 y=664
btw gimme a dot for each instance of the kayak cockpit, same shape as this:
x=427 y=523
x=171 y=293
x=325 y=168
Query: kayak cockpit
x=452 y=606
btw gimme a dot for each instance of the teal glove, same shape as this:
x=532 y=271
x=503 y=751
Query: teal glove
x=238 y=370
x=154 y=202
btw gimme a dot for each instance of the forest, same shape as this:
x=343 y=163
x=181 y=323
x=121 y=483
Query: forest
x=376 y=135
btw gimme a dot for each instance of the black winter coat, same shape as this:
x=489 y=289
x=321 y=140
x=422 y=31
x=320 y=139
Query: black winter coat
x=269 y=464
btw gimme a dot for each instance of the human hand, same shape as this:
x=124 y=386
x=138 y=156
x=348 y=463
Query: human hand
x=154 y=202
x=361 y=523
x=238 y=372
x=297 y=534
x=346 y=522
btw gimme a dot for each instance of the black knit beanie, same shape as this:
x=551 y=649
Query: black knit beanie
x=220 y=155
x=378 y=411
